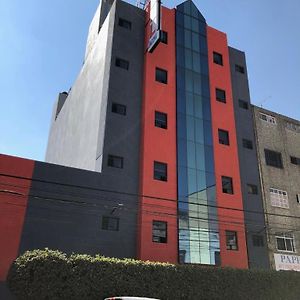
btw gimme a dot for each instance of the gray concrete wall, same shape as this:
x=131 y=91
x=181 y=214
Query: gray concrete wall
x=249 y=172
x=278 y=138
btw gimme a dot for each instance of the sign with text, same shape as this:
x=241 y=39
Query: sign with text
x=287 y=262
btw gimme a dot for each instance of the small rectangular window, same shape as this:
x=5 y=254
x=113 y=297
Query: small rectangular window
x=240 y=69
x=267 y=118
x=295 y=160
x=285 y=242
x=243 y=104
x=115 y=161
x=164 y=37
x=218 y=58
x=110 y=223
x=161 y=75
x=159 y=232
x=252 y=189
x=221 y=95
x=273 y=159
x=122 y=63
x=247 y=144
x=258 y=240
x=227 y=186
x=231 y=240
x=125 y=23
x=160 y=171
x=161 y=120
x=223 y=137
x=118 y=109
x=279 y=198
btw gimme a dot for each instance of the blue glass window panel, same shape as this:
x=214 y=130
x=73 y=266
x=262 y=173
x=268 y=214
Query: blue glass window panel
x=203 y=44
x=201 y=182
x=180 y=78
x=198 y=111
x=187 y=22
x=180 y=101
x=182 y=182
x=197 y=83
x=194 y=11
x=179 y=35
x=202 y=28
x=209 y=159
x=188 y=59
x=195 y=25
x=189 y=104
x=192 y=181
x=195 y=42
x=211 y=194
x=207 y=133
x=190 y=132
x=180 y=56
x=191 y=154
x=206 y=108
x=189 y=81
x=188 y=39
x=204 y=64
x=181 y=125
x=210 y=179
x=187 y=7
x=205 y=86
x=182 y=152
x=200 y=157
x=196 y=62
x=199 y=134
x=179 y=18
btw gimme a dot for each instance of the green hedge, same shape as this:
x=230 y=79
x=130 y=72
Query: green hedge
x=47 y=274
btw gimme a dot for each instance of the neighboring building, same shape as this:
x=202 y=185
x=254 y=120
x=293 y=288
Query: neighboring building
x=278 y=145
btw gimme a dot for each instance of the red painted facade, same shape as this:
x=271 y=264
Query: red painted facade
x=159 y=144
x=13 y=204
x=226 y=157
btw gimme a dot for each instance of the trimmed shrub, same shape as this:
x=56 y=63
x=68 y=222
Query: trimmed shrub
x=48 y=274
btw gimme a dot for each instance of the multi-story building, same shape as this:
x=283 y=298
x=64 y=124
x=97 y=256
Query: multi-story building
x=278 y=145
x=156 y=153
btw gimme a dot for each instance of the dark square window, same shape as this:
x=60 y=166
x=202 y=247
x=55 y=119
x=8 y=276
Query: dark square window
x=247 y=144
x=227 y=186
x=218 y=58
x=110 y=223
x=122 y=63
x=161 y=120
x=124 y=23
x=160 y=171
x=295 y=160
x=252 y=189
x=164 y=37
x=240 y=69
x=118 y=109
x=115 y=161
x=273 y=158
x=159 y=232
x=223 y=137
x=243 y=104
x=221 y=95
x=231 y=240
x=258 y=240
x=161 y=75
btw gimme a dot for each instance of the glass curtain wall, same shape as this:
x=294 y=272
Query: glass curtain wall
x=198 y=227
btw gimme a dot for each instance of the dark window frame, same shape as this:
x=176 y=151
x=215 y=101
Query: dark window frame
x=112 y=163
x=220 y=95
x=225 y=181
x=159 y=121
x=158 y=173
x=122 y=63
x=106 y=224
x=161 y=75
x=247 y=144
x=218 y=58
x=158 y=238
x=125 y=23
x=252 y=189
x=231 y=244
x=258 y=240
x=223 y=136
x=273 y=158
x=240 y=69
x=295 y=160
x=164 y=37
x=243 y=104
x=118 y=108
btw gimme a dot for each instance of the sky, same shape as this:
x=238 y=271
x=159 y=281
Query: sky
x=42 y=45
